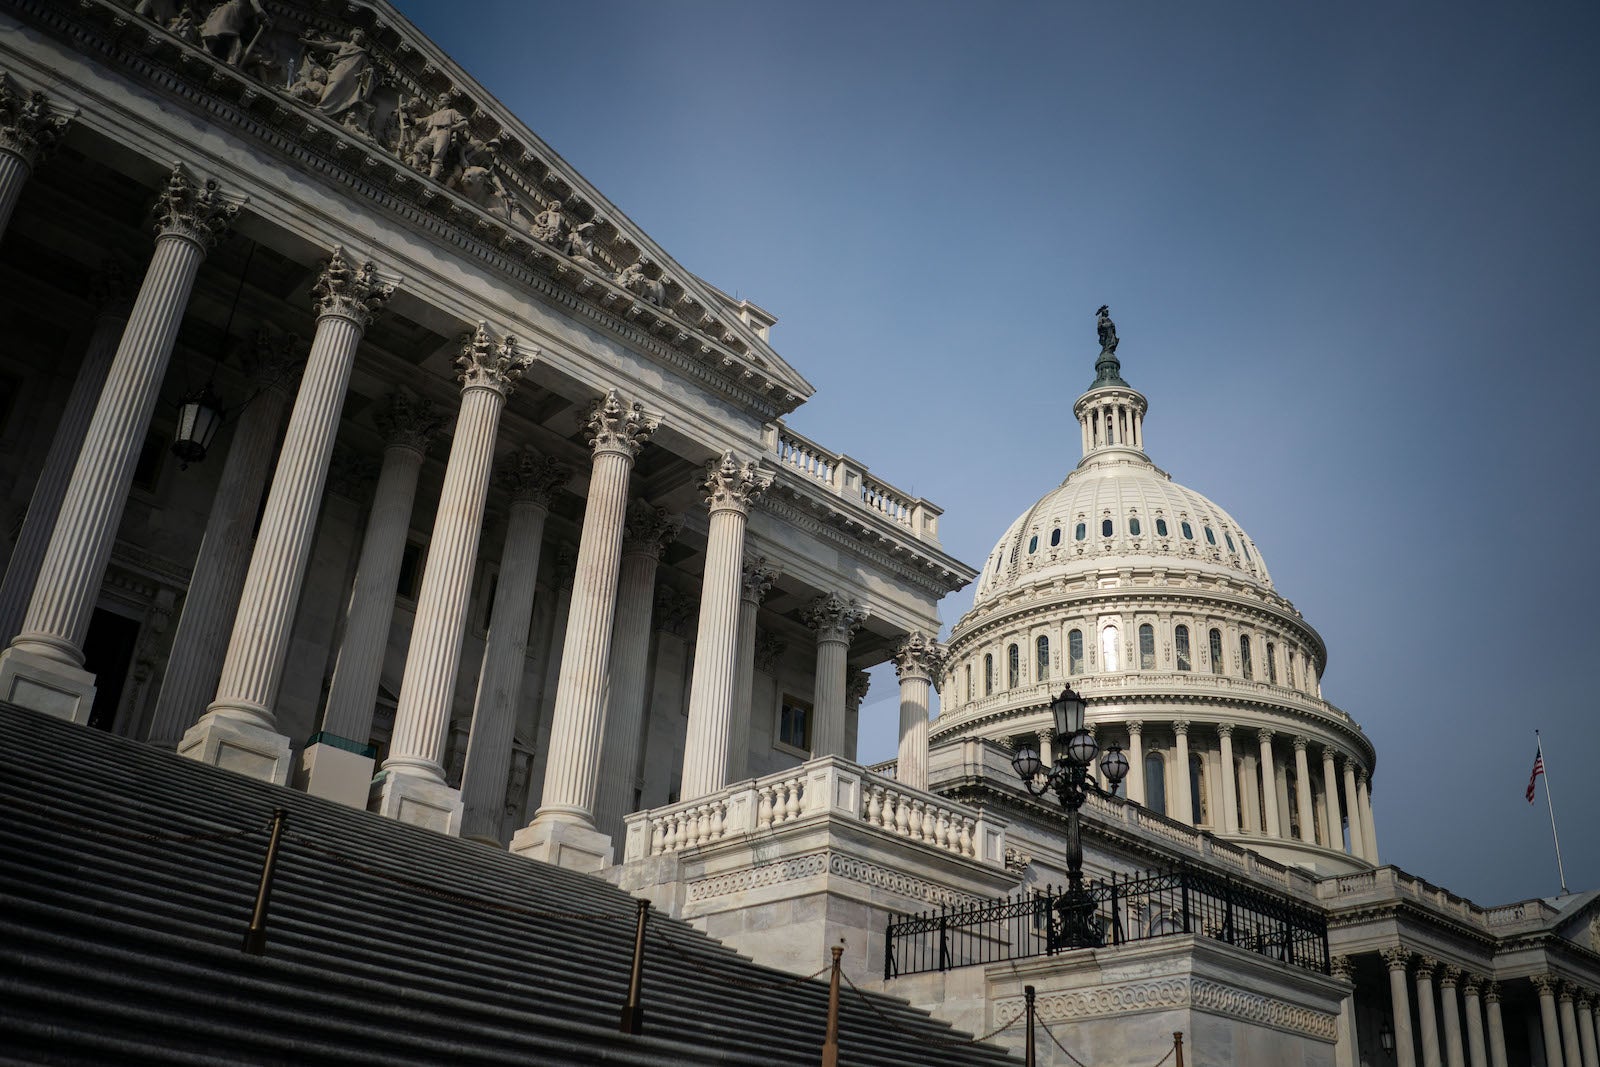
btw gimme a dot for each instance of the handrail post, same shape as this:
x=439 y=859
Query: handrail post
x=1183 y=881
x=888 y=950
x=1116 y=913
x=1027 y=993
x=255 y=938
x=944 y=939
x=633 y=1010
x=830 y=1041
x=1177 y=1046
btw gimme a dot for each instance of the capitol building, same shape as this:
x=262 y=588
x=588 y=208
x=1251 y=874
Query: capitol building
x=362 y=460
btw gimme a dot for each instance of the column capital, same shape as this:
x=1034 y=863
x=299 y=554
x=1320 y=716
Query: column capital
x=1491 y=991
x=1471 y=984
x=768 y=648
x=1450 y=975
x=1135 y=727
x=1586 y=999
x=1300 y=742
x=619 y=426
x=1546 y=984
x=649 y=529
x=1566 y=992
x=1342 y=967
x=407 y=420
x=672 y=609
x=755 y=580
x=271 y=360
x=1224 y=729
x=1330 y=753
x=919 y=656
x=1396 y=959
x=535 y=478
x=347 y=292
x=483 y=364
x=1265 y=736
x=856 y=684
x=732 y=486
x=1426 y=966
x=834 y=618
x=28 y=127
x=195 y=213
x=1180 y=727
x=1348 y=763
x=1363 y=777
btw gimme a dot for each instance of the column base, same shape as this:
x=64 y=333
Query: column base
x=46 y=685
x=244 y=748
x=335 y=768
x=420 y=801
x=564 y=843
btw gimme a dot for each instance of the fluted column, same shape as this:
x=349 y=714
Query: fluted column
x=1548 y=1024
x=1269 y=785
x=1586 y=1035
x=200 y=642
x=1302 y=792
x=1427 y=1015
x=835 y=620
x=1230 y=788
x=730 y=486
x=1136 y=788
x=1397 y=960
x=1497 y=1030
x=562 y=830
x=1569 y=1025
x=114 y=299
x=1181 y=805
x=411 y=786
x=531 y=480
x=1332 y=823
x=755 y=580
x=1472 y=1002
x=1369 y=831
x=43 y=667
x=241 y=718
x=648 y=532
x=1344 y=1050
x=29 y=130
x=1358 y=847
x=1450 y=1008
x=918 y=661
x=856 y=685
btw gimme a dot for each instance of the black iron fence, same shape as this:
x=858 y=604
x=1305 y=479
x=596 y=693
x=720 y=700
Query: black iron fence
x=1042 y=922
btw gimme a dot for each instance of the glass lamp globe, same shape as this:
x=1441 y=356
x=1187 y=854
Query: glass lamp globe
x=1114 y=765
x=1026 y=762
x=1081 y=748
x=1068 y=710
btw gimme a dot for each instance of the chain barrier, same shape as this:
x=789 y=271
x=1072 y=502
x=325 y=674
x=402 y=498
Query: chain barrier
x=953 y=1043
x=699 y=965
x=132 y=835
x=1053 y=1040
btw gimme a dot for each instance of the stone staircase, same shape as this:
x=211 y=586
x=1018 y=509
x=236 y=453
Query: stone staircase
x=127 y=878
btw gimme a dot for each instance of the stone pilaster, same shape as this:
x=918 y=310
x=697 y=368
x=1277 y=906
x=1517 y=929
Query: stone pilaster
x=563 y=828
x=29 y=129
x=114 y=300
x=1358 y=847
x=1427 y=1014
x=532 y=481
x=1302 y=791
x=1332 y=824
x=1450 y=1011
x=411 y=786
x=1269 y=785
x=1230 y=785
x=1398 y=960
x=648 y=532
x=835 y=620
x=1497 y=1030
x=1369 y=830
x=43 y=667
x=755 y=580
x=217 y=579
x=918 y=661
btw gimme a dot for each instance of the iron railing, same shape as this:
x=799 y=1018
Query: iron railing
x=1045 y=921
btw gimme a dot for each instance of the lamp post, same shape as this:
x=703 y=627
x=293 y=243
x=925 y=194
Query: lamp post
x=1069 y=780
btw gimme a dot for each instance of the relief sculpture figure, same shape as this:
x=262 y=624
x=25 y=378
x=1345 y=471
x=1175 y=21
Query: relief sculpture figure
x=635 y=280
x=232 y=27
x=350 y=74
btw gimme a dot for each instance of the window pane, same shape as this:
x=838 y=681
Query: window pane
x=1081 y=532
x=1147 y=647
x=1197 y=792
x=1181 y=640
x=1216 y=651
x=1133 y=526
x=1155 y=783
x=1055 y=537
x=1105 y=527
x=1244 y=656
x=1013 y=668
x=1211 y=538
x=1033 y=544
x=1108 y=649
x=1272 y=663
x=1188 y=531
x=1075 y=652
x=1161 y=527
x=1228 y=537
x=970 y=692
x=1041 y=656
x=988 y=674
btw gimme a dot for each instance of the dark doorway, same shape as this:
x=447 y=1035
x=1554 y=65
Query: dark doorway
x=108 y=653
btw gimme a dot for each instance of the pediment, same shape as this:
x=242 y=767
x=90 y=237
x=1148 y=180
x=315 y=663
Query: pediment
x=358 y=82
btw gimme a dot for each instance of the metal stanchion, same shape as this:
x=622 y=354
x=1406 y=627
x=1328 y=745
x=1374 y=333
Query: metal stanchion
x=633 y=1011
x=1027 y=993
x=1177 y=1046
x=830 y=1042
x=255 y=938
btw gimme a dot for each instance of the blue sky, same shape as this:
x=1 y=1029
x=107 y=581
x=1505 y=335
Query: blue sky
x=1350 y=250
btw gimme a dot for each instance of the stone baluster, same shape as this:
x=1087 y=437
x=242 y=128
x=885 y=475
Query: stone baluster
x=411 y=786
x=113 y=298
x=1345 y=1050
x=562 y=830
x=200 y=642
x=1269 y=782
x=1358 y=847
x=240 y=720
x=1332 y=824
x=1427 y=1013
x=835 y=620
x=648 y=532
x=918 y=662
x=1569 y=1025
x=730 y=487
x=1182 y=802
x=1450 y=1009
x=29 y=130
x=1472 y=1002
x=531 y=480
x=756 y=579
x=1548 y=1025
x=1230 y=787
x=1369 y=831
x=43 y=667
x=1136 y=786
x=1398 y=960
x=1302 y=791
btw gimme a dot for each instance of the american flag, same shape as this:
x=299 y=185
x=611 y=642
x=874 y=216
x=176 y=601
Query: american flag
x=1538 y=769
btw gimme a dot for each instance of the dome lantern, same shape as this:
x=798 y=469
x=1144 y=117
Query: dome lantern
x=1111 y=413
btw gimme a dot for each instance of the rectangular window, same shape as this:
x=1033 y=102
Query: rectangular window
x=1075 y=652
x=794 y=723
x=1041 y=655
x=1272 y=663
x=1181 y=640
x=1216 y=651
x=1245 y=666
x=1147 y=647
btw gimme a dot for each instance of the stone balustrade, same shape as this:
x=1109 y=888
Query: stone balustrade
x=1391 y=883
x=826 y=788
x=848 y=479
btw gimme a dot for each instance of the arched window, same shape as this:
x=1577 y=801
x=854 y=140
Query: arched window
x=1147 y=647
x=1216 y=651
x=1188 y=531
x=1013 y=667
x=1245 y=666
x=1180 y=638
x=988 y=674
x=1033 y=544
x=1197 y=789
x=1075 y=652
x=1108 y=648
x=1272 y=663
x=1161 y=527
x=1055 y=537
x=1211 y=538
x=1041 y=656
x=1155 y=783
x=1133 y=526
x=1081 y=532
x=1105 y=527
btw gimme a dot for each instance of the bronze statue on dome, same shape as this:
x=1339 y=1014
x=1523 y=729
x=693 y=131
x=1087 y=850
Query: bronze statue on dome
x=1107 y=330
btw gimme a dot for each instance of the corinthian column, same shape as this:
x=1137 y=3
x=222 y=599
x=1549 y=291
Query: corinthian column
x=28 y=131
x=1477 y=1050
x=1269 y=791
x=1450 y=1010
x=756 y=579
x=43 y=668
x=1427 y=1015
x=1136 y=786
x=1405 y=1052
x=648 y=532
x=219 y=569
x=836 y=620
x=411 y=786
x=1182 y=805
x=730 y=486
x=1332 y=826
x=1369 y=831
x=113 y=297
x=918 y=661
x=1569 y=1026
x=1497 y=1030
x=1548 y=1026
x=1358 y=848
x=1302 y=791
x=1230 y=787
x=562 y=830
x=240 y=721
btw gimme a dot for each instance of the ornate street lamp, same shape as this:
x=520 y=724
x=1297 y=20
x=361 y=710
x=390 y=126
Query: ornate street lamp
x=1069 y=781
x=1386 y=1037
x=199 y=415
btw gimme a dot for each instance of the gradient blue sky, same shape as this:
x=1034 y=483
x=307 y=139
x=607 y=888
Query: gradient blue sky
x=1350 y=250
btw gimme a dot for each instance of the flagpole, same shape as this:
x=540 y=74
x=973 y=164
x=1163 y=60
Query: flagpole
x=1560 y=868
